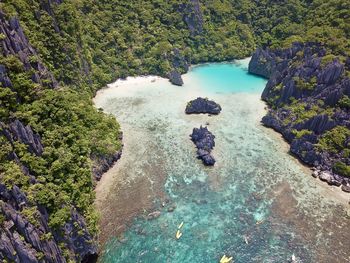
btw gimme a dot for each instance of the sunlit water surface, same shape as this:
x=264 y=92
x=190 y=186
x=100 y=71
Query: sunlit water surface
x=257 y=204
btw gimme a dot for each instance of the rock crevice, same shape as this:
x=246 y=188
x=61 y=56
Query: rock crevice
x=303 y=91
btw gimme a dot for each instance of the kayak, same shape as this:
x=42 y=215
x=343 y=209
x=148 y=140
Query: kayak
x=178 y=234
x=225 y=259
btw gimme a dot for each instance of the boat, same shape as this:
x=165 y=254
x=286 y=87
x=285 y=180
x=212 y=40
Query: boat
x=179 y=227
x=246 y=239
x=225 y=259
x=259 y=222
x=178 y=234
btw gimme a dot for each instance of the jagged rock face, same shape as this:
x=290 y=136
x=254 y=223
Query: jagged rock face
x=203 y=105
x=47 y=6
x=101 y=164
x=179 y=65
x=298 y=76
x=21 y=239
x=25 y=241
x=299 y=63
x=16 y=43
x=192 y=16
x=318 y=124
x=178 y=61
x=26 y=135
x=263 y=63
x=204 y=141
x=175 y=78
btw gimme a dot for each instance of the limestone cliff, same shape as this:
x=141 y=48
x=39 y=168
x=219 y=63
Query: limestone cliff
x=304 y=92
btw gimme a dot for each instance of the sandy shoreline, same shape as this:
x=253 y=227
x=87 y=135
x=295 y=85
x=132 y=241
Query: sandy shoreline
x=327 y=190
x=127 y=85
x=130 y=85
x=135 y=192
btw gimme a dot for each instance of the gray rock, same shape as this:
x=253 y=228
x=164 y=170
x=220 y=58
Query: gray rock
x=153 y=215
x=26 y=135
x=315 y=173
x=202 y=105
x=288 y=71
x=345 y=188
x=17 y=44
x=192 y=16
x=326 y=177
x=204 y=141
x=331 y=73
x=175 y=78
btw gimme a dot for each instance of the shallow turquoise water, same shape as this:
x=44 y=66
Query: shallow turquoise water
x=227 y=78
x=255 y=192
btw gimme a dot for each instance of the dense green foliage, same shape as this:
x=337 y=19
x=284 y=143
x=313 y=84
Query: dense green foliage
x=72 y=131
x=342 y=168
x=109 y=39
x=335 y=139
x=86 y=43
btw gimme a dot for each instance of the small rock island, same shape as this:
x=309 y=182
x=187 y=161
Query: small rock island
x=204 y=141
x=202 y=105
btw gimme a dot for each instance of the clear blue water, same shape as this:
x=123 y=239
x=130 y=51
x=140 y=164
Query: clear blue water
x=255 y=191
x=227 y=78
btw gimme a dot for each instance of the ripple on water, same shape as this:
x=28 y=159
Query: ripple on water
x=256 y=204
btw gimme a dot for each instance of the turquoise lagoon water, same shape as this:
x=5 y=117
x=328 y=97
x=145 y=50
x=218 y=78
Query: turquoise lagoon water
x=227 y=78
x=257 y=204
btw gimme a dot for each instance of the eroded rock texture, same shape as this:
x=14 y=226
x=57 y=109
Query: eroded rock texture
x=203 y=105
x=204 y=141
x=304 y=92
x=25 y=234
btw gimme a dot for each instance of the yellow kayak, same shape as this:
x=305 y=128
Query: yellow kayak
x=259 y=222
x=225 y=259
x=178 y=234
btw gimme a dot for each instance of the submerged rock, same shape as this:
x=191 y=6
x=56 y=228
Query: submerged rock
x=171 y=208
x=202 y=105
x=204 y=141
x=153 y=215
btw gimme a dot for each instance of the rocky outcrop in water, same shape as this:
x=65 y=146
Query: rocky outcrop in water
x=204 y=141
x=202 y=105
x=175 y=78
x=304 y=92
